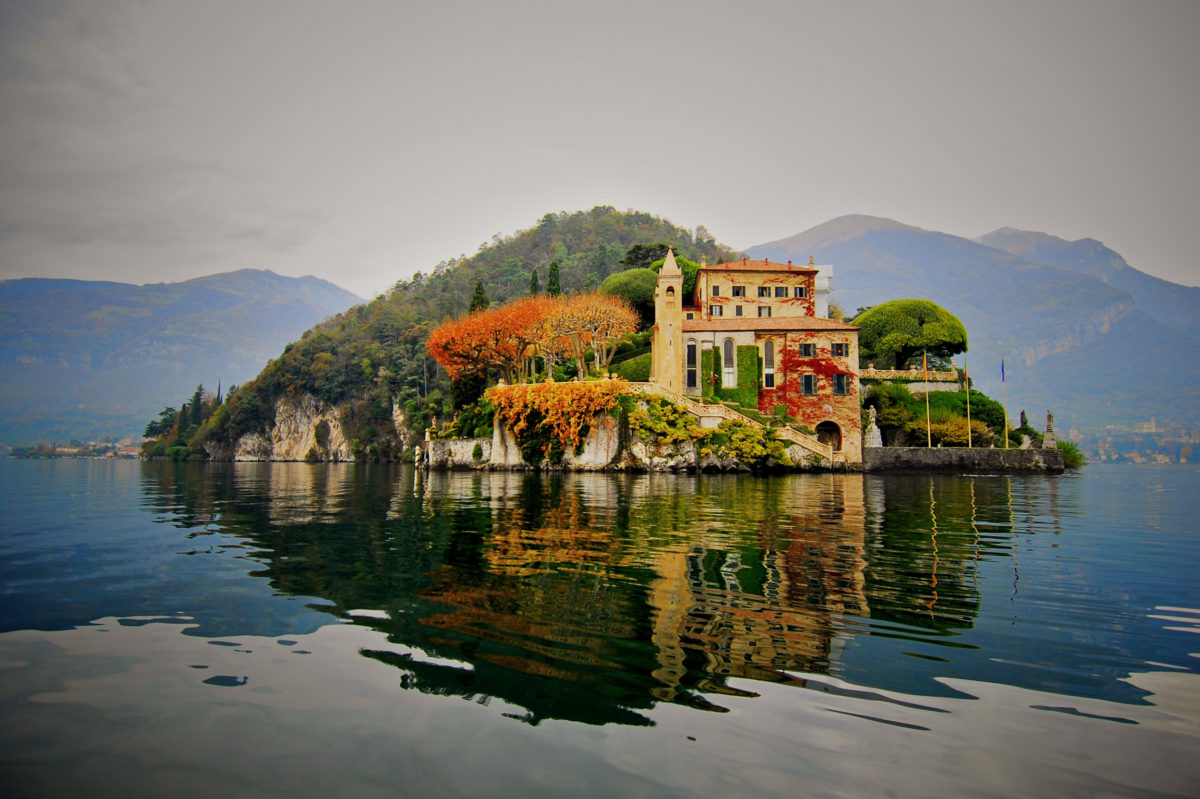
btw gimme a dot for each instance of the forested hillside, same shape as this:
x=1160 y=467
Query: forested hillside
x=372 y=359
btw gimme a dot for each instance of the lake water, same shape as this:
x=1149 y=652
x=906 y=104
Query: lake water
x=342 y=630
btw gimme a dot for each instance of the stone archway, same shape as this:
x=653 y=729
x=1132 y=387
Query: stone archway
x=829 y=433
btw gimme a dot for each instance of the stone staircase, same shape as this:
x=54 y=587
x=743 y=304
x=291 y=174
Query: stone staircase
x=713 y=414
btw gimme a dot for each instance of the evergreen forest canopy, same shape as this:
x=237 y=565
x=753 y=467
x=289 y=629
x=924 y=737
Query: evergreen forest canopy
x=374 y=355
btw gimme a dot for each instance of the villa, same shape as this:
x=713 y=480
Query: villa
x=758 y=333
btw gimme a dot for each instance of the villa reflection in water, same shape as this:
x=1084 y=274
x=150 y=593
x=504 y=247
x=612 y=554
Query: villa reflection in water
x=590 y=597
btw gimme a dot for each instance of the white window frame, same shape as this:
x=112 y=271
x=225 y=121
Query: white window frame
x=728 y=363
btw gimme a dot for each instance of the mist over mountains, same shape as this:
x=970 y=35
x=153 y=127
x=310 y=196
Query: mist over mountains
x=1082 y=333
x=85 y=359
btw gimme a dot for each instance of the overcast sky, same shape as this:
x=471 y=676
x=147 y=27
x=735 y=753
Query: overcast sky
x=363 y=141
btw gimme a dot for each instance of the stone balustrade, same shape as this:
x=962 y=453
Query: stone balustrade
x=913 y=373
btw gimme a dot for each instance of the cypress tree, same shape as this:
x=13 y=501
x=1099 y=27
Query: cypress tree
x=553 y=285
x=197 y=405
x=479 y=300
x=534 y=286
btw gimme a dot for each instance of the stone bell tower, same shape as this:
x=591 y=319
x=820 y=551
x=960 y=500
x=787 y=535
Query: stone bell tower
x=667 y=346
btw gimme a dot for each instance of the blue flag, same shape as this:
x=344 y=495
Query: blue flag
x=1001 y=368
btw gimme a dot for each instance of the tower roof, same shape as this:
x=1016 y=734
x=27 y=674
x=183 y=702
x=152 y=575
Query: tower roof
x=669 y=267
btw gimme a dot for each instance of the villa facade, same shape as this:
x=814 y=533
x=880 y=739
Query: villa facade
x=758 y=333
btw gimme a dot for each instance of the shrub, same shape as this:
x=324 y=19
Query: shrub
x=750 y=444
x=665 y=420
x=635 y=370
x=1072 y=457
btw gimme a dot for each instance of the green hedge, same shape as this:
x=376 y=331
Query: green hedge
x=635 y=370
x=748 y=370
x=708 y=368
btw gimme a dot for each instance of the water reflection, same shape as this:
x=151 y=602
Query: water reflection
x=591 y=597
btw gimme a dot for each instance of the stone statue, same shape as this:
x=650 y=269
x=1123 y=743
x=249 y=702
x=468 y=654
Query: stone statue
x=872 y=438
x=1048 y=440
x=1024 y=419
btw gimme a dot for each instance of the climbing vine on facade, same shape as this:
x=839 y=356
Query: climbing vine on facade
x=548 y=419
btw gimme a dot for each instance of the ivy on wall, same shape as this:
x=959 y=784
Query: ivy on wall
x=547 y=419
x=710 y=374
x=749 y=367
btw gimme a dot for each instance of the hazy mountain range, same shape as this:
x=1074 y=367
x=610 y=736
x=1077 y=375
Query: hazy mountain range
x=83 y=359
x=1082 y=333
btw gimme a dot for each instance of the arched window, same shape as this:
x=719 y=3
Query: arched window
x=729 y=373
x=691 y=364
x=768 y=364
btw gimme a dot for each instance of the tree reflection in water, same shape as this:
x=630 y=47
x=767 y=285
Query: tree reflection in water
x=590 y=597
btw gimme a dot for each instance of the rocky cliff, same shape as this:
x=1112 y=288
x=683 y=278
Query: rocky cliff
x=305 y=429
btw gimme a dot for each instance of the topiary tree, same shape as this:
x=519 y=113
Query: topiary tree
x=896 y=332
x=637 y=287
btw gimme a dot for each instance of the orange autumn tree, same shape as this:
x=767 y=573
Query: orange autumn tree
x=499 y=338
x=506 y=337
x=606 y=319
x=589 y=321
x=554 y=336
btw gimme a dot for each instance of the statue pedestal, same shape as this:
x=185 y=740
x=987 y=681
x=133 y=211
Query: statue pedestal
x=872 y=437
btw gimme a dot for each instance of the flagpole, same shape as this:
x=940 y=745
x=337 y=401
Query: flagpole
x=967 y=386
x=925 y=377
x=1004 y=385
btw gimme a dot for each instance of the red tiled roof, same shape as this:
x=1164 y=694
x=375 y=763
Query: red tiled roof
x=765 y=323
x=758 y=266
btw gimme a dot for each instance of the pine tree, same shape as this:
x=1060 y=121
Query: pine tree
x=553 y=284
x=479 y=300
x=534 y=286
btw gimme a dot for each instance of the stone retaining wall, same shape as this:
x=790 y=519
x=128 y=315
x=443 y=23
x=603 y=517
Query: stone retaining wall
x=457 y=453
x=962 y=460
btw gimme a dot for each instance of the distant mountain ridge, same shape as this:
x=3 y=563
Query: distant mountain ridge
x=1173 y=304
x=1082 y=332
x=82 y=359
